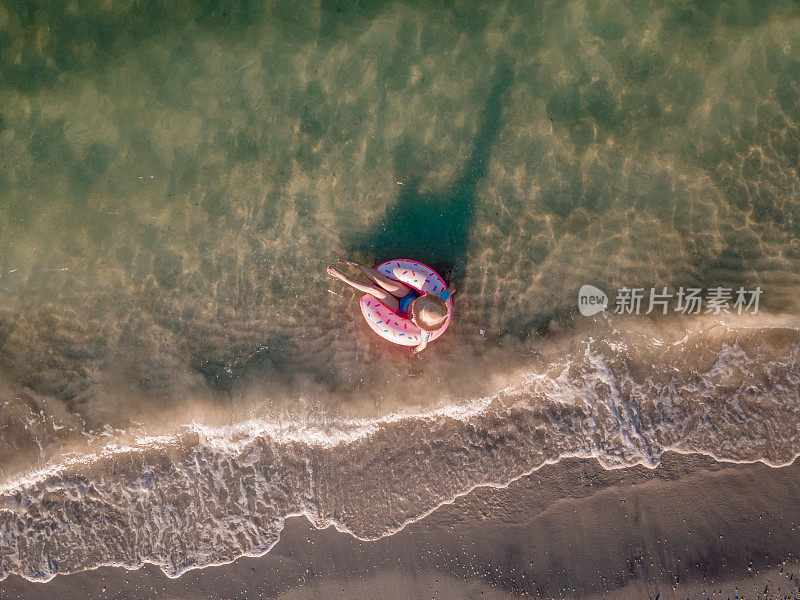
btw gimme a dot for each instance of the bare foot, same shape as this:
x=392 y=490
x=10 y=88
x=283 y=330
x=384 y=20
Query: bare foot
x=334 y=273
x=344 y=261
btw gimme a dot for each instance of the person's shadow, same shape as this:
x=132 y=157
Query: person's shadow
x=434 y=227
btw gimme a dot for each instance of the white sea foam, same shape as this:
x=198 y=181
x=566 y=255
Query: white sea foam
x=204 y=495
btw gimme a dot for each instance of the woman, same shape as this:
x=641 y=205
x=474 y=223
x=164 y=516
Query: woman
x=429 y=312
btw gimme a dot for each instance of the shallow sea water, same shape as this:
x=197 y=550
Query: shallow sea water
x=177 y=372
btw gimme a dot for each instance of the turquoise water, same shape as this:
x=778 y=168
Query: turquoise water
x=174 y=181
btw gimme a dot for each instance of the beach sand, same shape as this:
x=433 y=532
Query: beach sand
x=691 y=528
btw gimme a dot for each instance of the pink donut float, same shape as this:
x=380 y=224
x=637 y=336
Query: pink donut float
x=389 y=325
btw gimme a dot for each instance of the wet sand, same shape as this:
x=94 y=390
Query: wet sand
x=691 y=528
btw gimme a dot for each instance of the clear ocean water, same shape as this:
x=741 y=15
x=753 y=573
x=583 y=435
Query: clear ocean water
x=178 y=374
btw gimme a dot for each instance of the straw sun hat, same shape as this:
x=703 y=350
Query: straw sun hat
x=429 y=312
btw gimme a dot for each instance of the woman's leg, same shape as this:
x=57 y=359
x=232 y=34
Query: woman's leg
x=388 y=299
x=390 y=285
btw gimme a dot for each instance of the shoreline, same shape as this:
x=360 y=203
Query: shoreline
x=689 y=525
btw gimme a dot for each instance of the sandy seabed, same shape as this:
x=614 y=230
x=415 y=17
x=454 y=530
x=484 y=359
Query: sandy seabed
x=691 y=528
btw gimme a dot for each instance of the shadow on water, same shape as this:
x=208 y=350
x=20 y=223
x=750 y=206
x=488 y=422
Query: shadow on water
x=434 y=227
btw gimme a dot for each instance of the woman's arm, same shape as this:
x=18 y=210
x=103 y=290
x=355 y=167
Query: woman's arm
x=451 y=287
x=422 y=345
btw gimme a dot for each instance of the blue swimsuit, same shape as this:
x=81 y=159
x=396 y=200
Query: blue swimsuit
x=405 y=302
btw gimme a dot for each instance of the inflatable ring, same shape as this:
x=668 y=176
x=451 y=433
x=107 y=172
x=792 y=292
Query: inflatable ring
x=388 y=324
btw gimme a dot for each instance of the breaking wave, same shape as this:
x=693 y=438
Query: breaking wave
x=207 y=495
